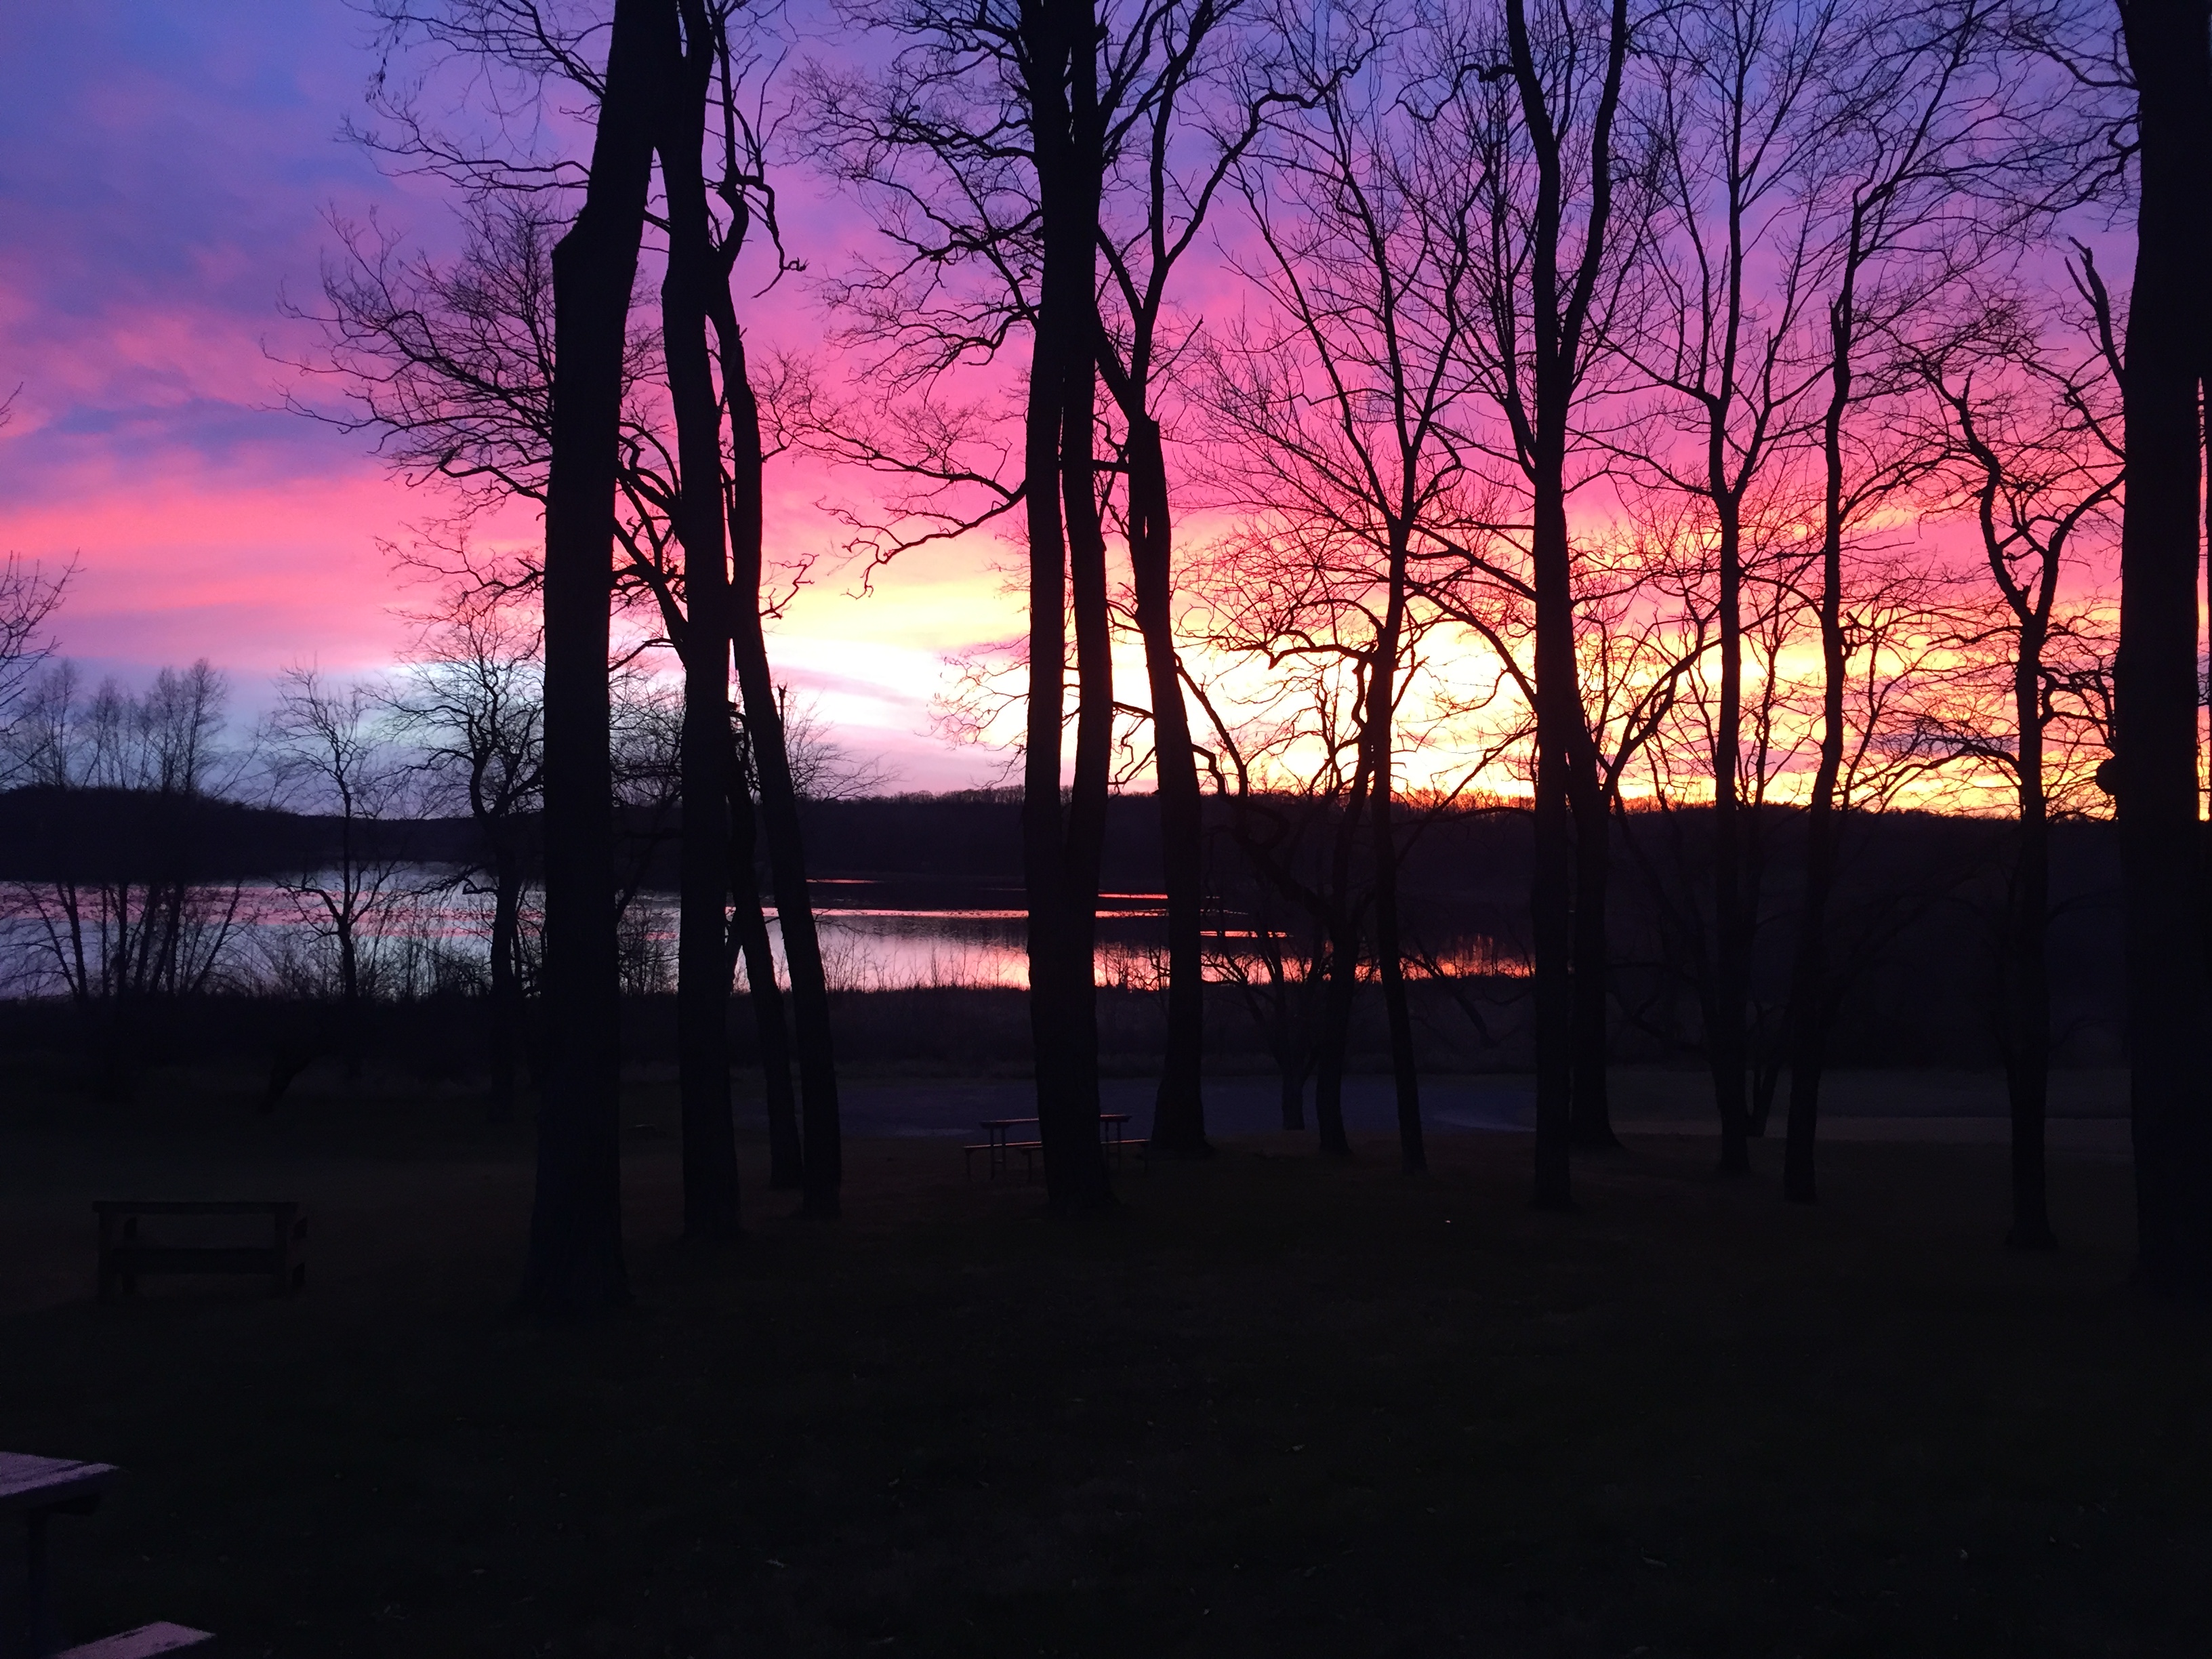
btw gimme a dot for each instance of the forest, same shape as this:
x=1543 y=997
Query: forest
x=1599 y=585
x=1694 y=438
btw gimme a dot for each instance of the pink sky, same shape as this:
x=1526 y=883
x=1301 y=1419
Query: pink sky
x=165 y=170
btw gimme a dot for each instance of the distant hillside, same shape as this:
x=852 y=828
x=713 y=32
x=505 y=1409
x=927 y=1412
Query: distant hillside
x=89 y=835
x=1917 y=910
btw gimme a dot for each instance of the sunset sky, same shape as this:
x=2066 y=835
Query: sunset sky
x=170 y=173
x=165 y=171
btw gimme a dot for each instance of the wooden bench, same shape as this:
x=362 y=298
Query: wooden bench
x=124 y=1255
x=140 y=1644
x=999 y=1149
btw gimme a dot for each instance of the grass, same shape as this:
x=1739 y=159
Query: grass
x=1270 y=1406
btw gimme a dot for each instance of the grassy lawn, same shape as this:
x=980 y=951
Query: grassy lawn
x=1269 y=1406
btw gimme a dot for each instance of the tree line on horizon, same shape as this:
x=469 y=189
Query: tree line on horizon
x=376 y=837
x=1641 y=418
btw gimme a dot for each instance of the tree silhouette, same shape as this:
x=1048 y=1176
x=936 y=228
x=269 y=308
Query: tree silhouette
x=2034 y=448
x=327 y=754
x=2157 y=747
x=470 y=698
x=575 y=1262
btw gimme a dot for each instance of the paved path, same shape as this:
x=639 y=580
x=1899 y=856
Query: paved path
x=1235 y=1105
x=2087 y=1108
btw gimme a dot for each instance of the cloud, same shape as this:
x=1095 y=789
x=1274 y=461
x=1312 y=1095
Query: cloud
x=166 y=169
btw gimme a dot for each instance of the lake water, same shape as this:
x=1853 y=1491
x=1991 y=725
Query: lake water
x=874 y=936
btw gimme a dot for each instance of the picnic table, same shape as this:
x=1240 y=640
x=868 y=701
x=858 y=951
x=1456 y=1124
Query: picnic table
x=1000 y=1146
x=38 y=1489
x=125 y=1254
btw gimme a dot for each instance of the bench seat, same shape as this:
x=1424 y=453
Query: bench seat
x=140 y=1644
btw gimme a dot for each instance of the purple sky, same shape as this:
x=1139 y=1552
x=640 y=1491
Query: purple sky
x=165 y=172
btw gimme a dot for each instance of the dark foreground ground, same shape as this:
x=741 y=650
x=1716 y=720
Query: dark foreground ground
x=1270 y=1406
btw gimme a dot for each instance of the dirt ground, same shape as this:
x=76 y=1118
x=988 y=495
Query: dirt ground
x=1271 y=1406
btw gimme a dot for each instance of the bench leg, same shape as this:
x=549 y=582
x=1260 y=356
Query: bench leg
x=289 y=1270
x=39 y=1636
x=15 y=1605
x=107 y=1275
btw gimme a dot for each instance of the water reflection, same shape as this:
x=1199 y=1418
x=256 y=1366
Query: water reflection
x=432 y=931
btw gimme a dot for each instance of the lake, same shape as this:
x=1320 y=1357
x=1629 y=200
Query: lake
x=875 y=936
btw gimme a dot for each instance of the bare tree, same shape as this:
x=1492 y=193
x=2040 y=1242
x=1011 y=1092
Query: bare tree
x=1738 y=112
x=1333 y=425
x=1274 y=950
x=685 y=66
x=772 y=772
x=2158 y=747
x=575 y=1256
x=1188 y=90
x=1932 y=157
x=127 y=906
x=1293 y=772
x=1057 y=48
x=513 y=51
x=1671 y=844
x=750 y=942
x=469 y=699
x=1547 y=99
x=29 y=596
x=984 y=148
x=2033 y=446
x=328 y=756
x=822 y=768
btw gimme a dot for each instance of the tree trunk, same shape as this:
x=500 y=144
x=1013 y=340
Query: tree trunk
x=702 y=971
x=1290 y=1044
x=1592 y=956
x=1551 y=918
x=1381 y=700
x=1343 y=981
x=1179 y=1109
x=348 y=996
x=506 y=985
x=1343 y=984
x=1043 y=853
x=1807 y=1013
x=575 y=1262
x=1808 y=980
x=1066 y=541
x=779 y=795
x=1412 y=1151
x=1559 y=728
x=1765 y=1079
x=1558 y=321
x=787 y=1161
x=2028 y=986
x=1725 y=1037
x=2160 y=838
